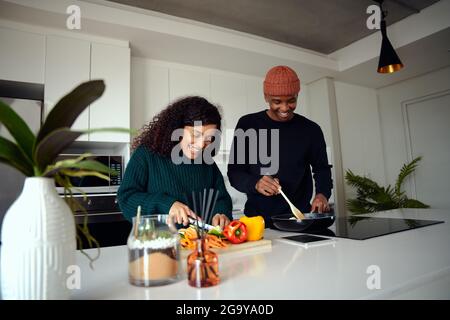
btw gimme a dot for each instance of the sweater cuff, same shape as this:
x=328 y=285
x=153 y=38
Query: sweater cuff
x=326 y=194
x=251 y=184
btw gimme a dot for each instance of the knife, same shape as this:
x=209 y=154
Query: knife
x=200 y=224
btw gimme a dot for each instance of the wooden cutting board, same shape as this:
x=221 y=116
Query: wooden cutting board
x=247 y=246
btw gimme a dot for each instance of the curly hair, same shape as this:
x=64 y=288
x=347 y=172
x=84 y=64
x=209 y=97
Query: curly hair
x=156 y=135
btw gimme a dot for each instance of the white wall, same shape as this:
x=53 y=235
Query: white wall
x=391 y=102
x=360 y=132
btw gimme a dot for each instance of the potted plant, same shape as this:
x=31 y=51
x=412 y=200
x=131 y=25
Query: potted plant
x=39 y=230
x=371 y=197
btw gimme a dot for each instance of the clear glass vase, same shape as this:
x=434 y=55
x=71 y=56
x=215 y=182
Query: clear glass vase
x=203 y=266
x=153 y=251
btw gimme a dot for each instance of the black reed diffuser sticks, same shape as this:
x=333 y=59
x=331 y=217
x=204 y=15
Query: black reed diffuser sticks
x=207 y=202
x=202 y=263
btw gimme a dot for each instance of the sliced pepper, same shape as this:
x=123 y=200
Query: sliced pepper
x=216 y=231
x=235 y=232
x=255 y=227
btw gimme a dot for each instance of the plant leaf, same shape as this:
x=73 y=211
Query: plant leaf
x=90 y=165
x=356 y=206
x=365 y=186
x=53 y=144
x=17 y=127
x=371 y=197
x=83 y=173
x=67 y=162
x=412 y=203
x=112 y=129
x=406 y=170
x=94 y=166
x=67 y=110
x=13 y=156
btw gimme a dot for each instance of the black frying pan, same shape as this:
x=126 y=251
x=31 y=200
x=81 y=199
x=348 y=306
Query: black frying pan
x=313 y=221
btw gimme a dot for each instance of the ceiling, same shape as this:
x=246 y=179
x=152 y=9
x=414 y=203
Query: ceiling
x=156 y=37
x=419 y=57
x=323 y=26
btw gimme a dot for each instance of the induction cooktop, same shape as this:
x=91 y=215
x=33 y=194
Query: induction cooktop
x=361 y=228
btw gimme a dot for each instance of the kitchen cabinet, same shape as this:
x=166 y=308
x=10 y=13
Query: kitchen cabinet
x=188 y=82
x=156 y=84
x=158 y=90
x=22 y=56
x=229 y=92
x=112 y=64
x=255 y=95
x=149 y=91
x=67 y=64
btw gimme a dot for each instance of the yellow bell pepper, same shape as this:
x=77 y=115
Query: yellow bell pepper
x=255 y=227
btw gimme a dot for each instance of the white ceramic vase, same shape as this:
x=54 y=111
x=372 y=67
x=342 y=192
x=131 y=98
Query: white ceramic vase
x=38 y=244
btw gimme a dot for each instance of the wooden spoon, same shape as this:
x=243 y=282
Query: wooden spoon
x=296 y=212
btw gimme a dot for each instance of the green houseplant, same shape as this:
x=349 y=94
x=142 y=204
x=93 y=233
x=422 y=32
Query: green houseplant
x=372 y=197
x=40 y=224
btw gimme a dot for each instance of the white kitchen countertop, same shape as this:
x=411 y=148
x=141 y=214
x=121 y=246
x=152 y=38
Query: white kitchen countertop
x=413 y=264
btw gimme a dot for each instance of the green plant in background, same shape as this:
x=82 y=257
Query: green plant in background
x=371 y=197
x=35 y=155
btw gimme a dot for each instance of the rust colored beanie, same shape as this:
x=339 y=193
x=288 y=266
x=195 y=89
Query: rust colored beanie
x=281 y=81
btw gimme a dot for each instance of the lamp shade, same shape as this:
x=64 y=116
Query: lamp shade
x=389 y=61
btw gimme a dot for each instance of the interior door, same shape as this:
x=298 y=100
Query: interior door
x=429 y=136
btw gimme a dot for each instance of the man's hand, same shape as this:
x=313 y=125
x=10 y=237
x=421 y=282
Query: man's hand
x=268 y=186
x=220 y=220
x=320 y=204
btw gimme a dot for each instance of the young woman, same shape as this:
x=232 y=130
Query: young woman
x=156 y=180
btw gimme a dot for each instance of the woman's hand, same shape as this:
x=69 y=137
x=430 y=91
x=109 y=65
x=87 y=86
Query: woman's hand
x=268 y=186
x=180 y=213
x=320 y=204
x=220 y=220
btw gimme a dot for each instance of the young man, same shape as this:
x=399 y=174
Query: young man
x=295 y=145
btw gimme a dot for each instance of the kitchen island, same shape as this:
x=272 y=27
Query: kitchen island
x=413 y=264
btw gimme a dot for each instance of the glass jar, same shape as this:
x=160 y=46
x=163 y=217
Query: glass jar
x=153 y=251
x=203 y=266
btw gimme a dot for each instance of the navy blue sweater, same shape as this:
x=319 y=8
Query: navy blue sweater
x=302 y=149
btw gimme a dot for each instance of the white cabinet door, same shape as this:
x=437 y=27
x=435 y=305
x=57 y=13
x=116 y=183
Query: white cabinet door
x=112 y=64
x=188 y=82
x=67 y=64
x=158 y=90
x=149 y=91
x=229 y=92
x=22 y=56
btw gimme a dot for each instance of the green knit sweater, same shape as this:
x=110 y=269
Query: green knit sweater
x=155 y=183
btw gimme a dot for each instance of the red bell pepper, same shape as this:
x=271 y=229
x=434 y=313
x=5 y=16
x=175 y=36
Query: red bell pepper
x=235 y=232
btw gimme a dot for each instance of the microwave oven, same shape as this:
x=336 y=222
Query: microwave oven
x=92 y=184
